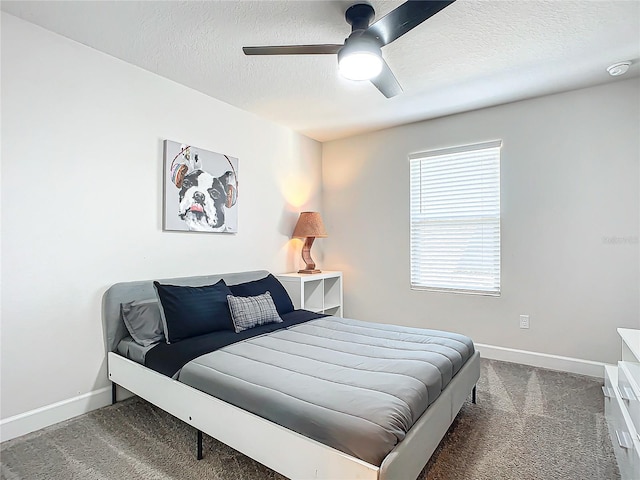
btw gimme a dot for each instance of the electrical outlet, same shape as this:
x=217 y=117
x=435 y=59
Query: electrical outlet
x=524 y=321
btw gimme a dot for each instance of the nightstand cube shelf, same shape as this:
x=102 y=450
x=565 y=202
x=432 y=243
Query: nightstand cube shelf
x=318 y=292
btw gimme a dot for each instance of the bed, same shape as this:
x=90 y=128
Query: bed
x=296 y=420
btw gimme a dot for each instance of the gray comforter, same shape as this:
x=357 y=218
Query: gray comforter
x=352 y=385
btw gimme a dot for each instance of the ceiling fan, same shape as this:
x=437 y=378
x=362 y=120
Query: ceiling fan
x=360 y=57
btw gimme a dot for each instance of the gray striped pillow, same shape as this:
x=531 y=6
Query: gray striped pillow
x=249 y=312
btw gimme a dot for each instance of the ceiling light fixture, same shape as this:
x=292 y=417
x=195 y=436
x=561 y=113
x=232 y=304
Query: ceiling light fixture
x=618 y=68
x=360 y=58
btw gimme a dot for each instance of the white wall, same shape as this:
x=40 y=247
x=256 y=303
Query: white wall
x=570 y=213
x=81 y=178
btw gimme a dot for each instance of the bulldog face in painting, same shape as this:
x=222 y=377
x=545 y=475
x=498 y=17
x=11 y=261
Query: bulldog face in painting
x=202 y=199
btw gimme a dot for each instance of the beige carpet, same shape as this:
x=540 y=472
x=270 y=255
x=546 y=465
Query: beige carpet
x=529 y=423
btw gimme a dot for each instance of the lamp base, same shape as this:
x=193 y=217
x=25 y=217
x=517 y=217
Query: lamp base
x=306 y=256
x=309 y=271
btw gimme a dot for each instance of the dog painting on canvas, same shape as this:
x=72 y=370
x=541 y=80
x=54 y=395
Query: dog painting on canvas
x=205 y=186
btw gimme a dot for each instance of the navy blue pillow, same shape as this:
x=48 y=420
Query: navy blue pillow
x=191 y=311
x=258 y=287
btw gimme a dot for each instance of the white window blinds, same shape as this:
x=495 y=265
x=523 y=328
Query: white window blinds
x=455 y=219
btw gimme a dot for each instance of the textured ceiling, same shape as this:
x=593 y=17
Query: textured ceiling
x=472 y=54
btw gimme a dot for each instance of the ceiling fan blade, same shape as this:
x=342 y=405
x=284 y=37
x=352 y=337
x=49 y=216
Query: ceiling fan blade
x=292 y=50
x=407 y=16
x=386 y=82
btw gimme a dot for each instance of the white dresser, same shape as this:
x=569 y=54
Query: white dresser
x=622 y=404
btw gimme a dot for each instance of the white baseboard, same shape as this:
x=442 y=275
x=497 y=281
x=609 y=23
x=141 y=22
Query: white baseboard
x=543 y=360
x=33 y=420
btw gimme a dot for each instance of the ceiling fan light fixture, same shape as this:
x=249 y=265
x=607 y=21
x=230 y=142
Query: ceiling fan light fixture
x=360 y=66
x=360 y=58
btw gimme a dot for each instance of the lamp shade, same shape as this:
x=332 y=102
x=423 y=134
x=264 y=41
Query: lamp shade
x=309 y=225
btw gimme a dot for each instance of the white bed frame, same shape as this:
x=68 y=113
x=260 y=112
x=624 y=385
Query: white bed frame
x=286 y=452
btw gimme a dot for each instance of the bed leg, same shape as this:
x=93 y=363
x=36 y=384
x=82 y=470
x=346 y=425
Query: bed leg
x=199 y=455
x=113 y=393
x=473 y=395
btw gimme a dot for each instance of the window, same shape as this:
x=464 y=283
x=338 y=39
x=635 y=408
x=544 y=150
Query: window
x=455 y=219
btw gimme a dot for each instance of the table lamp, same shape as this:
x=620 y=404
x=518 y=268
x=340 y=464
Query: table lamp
x=309 y=227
